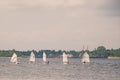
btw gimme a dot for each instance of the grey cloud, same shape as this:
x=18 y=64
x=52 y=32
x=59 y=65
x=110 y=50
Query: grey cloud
x=112 y=8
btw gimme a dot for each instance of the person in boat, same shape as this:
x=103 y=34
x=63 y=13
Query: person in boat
x=47 y=62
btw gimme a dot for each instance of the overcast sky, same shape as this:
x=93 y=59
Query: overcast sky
x=59 y=24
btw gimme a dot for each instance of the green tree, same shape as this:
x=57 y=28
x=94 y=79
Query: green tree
x=101 y=51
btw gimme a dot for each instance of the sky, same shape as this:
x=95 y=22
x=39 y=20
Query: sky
x=59 y=24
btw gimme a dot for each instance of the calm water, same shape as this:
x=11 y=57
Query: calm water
x=97 y=69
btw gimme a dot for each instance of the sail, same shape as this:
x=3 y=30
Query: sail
x=14 y=58
x=44 y=57
x=85 y=58
x=65 y=58
x=32 y=57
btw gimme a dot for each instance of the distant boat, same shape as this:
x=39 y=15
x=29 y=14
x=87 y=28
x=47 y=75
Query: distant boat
x=14 y=58
x=85 y=58
x=65 y=58
x=32 y=58
x=45 y=58
x=113 y=57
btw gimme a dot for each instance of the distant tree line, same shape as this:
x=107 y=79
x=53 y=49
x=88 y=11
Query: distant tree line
x=100 y=52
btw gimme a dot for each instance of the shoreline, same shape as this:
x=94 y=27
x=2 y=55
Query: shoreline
x=111 y=57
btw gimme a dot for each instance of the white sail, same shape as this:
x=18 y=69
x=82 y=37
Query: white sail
x=32 y=57
x=44 y=57
x=14 y=58
x=65 y=58
x=85 y=58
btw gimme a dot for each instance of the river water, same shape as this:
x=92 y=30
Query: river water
x=97 y=69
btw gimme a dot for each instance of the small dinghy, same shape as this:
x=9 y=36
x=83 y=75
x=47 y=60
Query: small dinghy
x=45 y=58
x=65 y=58
x=32 y=58
x=14 y=58
x=85 y=58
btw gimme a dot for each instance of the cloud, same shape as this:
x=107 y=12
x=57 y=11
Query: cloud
x=112 y=8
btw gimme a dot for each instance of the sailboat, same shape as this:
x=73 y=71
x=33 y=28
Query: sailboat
x=45 y=58
x=32 y=58
x=85 y=58
x=65 y=58
x=14 y=58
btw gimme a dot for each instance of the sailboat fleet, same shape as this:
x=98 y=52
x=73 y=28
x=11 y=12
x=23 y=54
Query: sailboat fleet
x=84 y=58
